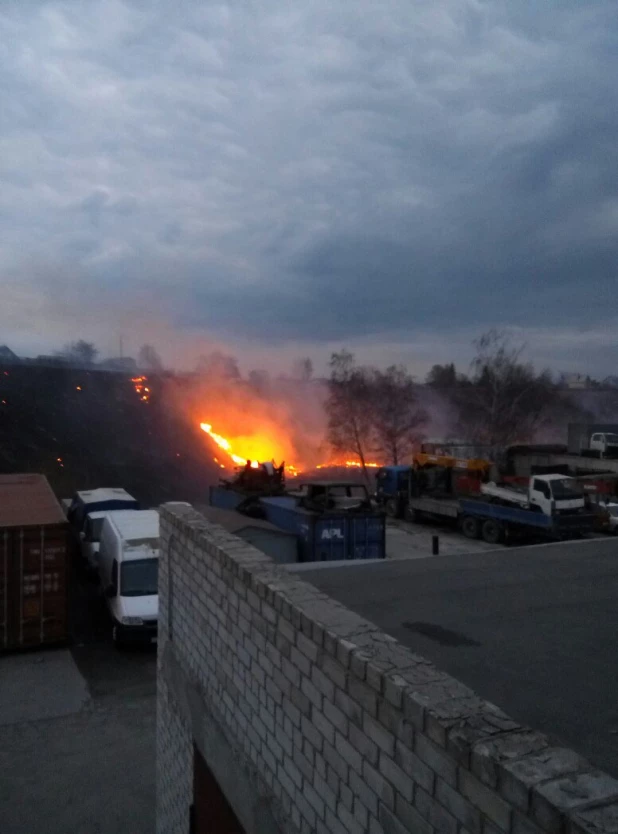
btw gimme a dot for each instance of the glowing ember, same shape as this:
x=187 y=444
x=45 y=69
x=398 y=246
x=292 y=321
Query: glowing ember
x=78 y=387
x=140 y=388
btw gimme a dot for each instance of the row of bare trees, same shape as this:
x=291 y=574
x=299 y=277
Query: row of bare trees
x=501 y=401
x=83 y=354
x=504 y=399
x=372 y=412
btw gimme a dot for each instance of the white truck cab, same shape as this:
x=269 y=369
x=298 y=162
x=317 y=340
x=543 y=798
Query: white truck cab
x=128 y=567
x=605 y=444
x=549 y=494
x=555 y=494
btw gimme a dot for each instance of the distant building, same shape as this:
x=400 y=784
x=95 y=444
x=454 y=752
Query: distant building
x=119 y=363
x=7 y=355
x=52 y=361
x=578 y=381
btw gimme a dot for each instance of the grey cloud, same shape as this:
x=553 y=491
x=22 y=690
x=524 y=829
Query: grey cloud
x=319 y=172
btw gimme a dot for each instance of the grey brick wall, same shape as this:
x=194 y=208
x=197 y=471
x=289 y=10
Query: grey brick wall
x=337 y=727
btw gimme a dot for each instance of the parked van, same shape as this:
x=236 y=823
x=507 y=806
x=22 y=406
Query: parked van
x=94 y=500
x=128 y=567
x=90 y=536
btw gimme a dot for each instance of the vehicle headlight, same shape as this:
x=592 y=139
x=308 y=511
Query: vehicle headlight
x=132 y=621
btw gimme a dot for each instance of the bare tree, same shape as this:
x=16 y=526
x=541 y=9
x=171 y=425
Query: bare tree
x=349 y=407
x=80 y=353
x=396 y=416
x=506 y=400
x=303 y=369
x=148 y=359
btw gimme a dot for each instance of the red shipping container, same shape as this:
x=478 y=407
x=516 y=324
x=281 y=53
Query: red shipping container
x=34 y=564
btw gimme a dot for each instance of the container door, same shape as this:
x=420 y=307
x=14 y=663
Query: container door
x=40 y=577
x=330 y=539
x=366 y=538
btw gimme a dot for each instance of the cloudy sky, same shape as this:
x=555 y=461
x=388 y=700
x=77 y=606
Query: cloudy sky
x=285 y=178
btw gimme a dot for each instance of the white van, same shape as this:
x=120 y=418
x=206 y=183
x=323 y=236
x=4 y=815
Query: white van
x=90 y=537
x=128 y=567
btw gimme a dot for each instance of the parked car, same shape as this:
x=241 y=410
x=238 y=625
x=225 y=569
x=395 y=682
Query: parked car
x=128 y=567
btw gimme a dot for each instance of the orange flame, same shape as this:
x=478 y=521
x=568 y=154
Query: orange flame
x=259 y=448
x=225 y=444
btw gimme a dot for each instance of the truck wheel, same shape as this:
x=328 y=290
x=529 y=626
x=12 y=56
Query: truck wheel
x=391 y=508
x=470 y=527
x=492 y=531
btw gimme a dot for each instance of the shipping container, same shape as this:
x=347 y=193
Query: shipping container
x=34 y=564
x=329 y=536
x=225 y=499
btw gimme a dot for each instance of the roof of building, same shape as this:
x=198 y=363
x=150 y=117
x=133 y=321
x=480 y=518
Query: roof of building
x=26 y=500
x=530 y=628
x=234 y=522
x=7 y=353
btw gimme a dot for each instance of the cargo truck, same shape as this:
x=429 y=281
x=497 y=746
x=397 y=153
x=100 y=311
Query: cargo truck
x=552 y=494
x=552 y=506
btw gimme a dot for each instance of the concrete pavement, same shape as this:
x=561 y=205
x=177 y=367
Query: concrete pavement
x=414 y=541
x=77 y=745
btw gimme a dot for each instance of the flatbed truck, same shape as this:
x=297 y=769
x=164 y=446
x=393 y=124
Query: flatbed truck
x=496 y=523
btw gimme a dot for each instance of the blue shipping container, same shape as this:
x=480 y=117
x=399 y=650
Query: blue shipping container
x=225 y=499
x=331 y=537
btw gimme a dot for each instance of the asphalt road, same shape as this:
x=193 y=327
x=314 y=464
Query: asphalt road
x=79 y=756
x=530 y=629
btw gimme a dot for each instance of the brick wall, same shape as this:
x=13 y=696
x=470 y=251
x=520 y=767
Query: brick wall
x=313 y=720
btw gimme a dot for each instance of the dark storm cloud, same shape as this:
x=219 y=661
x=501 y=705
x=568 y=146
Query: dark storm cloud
x=317 y=172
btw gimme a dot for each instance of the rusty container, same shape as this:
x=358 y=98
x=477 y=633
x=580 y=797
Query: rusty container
x=34 y=564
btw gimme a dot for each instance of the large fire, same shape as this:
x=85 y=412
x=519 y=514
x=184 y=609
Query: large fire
x=258 y=448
